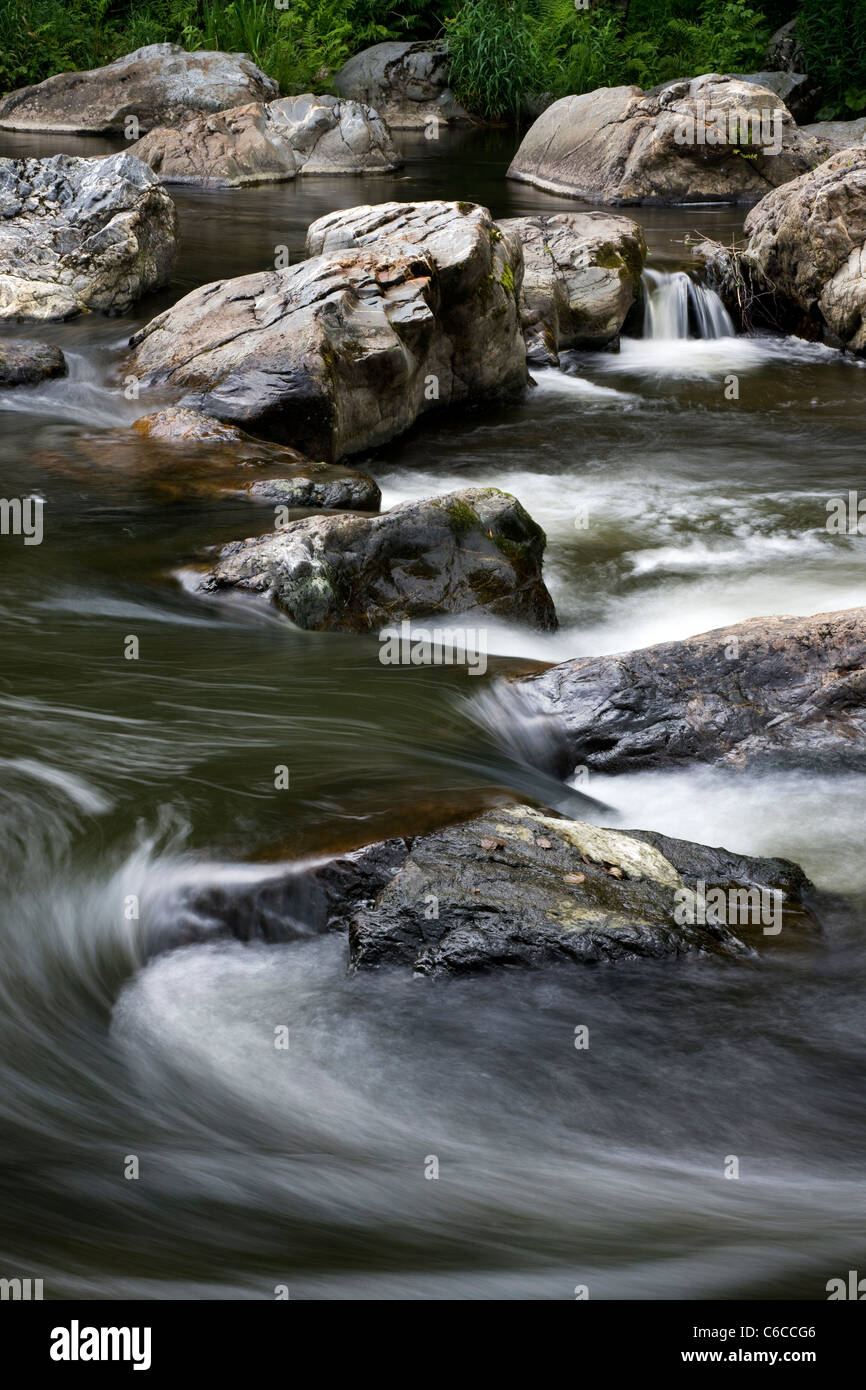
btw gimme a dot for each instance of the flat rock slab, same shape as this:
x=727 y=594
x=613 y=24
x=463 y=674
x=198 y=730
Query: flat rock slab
x=158 y=85
x=806 y=247
x=346 y=350
x=838 y=135
x=581 y=275
x=407 y=83
x=774 y=690
x=692 y=141
x=78 y=235
x=475 y=552
x=25 y=364
x=261 y=143
x=518 y=887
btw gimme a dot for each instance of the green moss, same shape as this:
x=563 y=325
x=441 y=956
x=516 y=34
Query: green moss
x=507 y=279
x=461 y=518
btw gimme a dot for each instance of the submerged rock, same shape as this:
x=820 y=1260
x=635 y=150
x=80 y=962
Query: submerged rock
x=712 y=139
x=770 y=689
x=520 y=887
x=238 y=460
x=581 y=273
x=806 y=251
x=24 y=364
x=262 y=143
x=160 y=84
x=345 y=350
x=81 y=234
x=471 y=552
x=407 y=83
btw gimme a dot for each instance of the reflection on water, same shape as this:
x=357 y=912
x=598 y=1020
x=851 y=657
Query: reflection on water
x=126 y=786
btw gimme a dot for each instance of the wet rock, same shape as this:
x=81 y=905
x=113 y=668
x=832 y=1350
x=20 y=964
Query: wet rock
x=24 y=364
x=81 y=234
x=581 y=273
x=347 y=349
x=407 y=83
x=770 y=690
x=691 y=141
x=806 y=250
x=475 y=552
x=300 y=482
x=838 y=135
x=519 y=887
x=270 y=142
x=160 y=84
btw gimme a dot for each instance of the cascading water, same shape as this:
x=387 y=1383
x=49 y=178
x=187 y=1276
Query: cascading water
x=677 y=307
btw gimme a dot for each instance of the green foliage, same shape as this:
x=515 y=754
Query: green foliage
x=833 y=36
x=494 y=59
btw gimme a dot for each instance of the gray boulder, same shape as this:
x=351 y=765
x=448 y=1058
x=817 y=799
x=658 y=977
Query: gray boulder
x=271 y=142
x=712 y=139
x=838 y=135
x=476 y=552
x=158 y=85
x=24 y=364
x=519 y=887
x=768 y=690
x=81 y=234
x=796 y=90
x=410 y=307
x=784 y=51
x=407 y=83
x=581 y=273
x=806 y=250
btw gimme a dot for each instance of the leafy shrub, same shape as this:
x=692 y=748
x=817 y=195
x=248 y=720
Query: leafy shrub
x=833 y=36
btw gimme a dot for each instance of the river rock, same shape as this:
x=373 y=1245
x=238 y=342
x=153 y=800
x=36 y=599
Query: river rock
x=270 y=142
x=521 y=887
x=474 y=552
x=24 y=364
x=796 y=90
x=774 y=690
x=838 y=135
x=581 y=272
x=685 y=143
x=81 y=234
x=407 y=83
x=346 y=350
x=806 y=249
x=160 y=84
x=232 y=461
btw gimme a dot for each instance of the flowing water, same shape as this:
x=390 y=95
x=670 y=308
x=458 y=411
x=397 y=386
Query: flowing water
x=683 y=484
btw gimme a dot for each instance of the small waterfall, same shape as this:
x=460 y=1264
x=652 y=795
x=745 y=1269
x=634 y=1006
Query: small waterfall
x=677 y=307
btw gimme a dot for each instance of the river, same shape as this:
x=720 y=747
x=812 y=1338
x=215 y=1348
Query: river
x=261 y=1168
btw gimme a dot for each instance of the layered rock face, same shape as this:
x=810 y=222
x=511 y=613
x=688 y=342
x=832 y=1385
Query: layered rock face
x=806 y=248
x=271 y=142
x=347 y=349
x=581 y=274
x=474 y=552
x=161 y=84
x=81 y=234
x=773 y=690
x=710 y=139
x=407 y=83
x=518 y=887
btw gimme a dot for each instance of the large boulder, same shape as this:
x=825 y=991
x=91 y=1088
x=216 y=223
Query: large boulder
x=270 y=142
x=796 y=90
x=158 y=85
x=472 y=552
x=712 y=139
x=81 y=234
x=838 y=135
x=806 y=250
x=345 y=350
x=766 y=690
x=581 y=273
x=407 y=83
x=519 y=887
x=24 y=364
